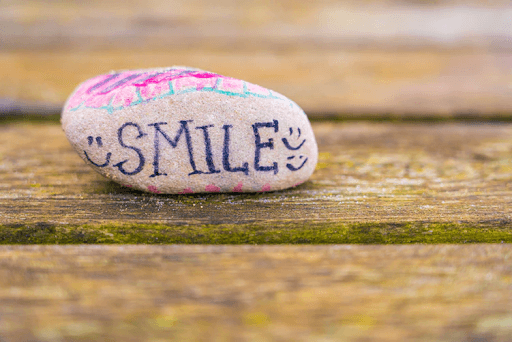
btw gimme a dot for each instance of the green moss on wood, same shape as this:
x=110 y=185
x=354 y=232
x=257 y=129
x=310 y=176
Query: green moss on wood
x=29 y=118
x=499 y=231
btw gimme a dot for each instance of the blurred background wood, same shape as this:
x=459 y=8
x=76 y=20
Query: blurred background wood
x=419 y=293
x=348 y=59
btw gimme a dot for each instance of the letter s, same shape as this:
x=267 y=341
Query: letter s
x=139 y=153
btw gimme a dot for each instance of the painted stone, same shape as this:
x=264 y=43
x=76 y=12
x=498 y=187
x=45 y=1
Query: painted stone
x=180 y=130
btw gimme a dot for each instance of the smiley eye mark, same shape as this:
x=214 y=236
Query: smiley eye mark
x=298 y=129
x=287 y=144
x=99 y=142
x=90 y=140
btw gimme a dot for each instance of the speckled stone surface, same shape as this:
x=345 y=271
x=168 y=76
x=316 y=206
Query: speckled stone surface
x=184 y=130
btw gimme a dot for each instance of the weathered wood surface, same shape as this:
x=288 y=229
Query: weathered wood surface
x=381 y=175
x=255 y=25
x=263 y=293
x=333 y=83
x=371 y=58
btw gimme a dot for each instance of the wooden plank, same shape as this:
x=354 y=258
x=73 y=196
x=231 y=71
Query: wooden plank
x=257 y=25
x=346 y=84
x=286 y=293
x=403 y=182
x=351 y=59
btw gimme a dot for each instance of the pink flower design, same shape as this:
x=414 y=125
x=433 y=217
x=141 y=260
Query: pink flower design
x=231 y=84
x=152 y=90
x=81 y=93
x=186 y=83
x=265 y=187
x=212 y=188
x=238 y=188
x=153 y=189
x=99 y=100
x=124 y=96
x=256 y=89
x=127 y=88
x=186 y=191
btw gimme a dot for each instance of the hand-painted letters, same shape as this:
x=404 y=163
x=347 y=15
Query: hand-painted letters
x=173 y=143
x=260 y=145
x=132 y=130
x=138 y=151
x=225 y=154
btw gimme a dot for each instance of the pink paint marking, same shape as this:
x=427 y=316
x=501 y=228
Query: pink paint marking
x=98 y=101
x=206 y=83
x=122 y=88
x=81 y=93
x=185 y=83
x=174 y=74
x=153 y=90
x=153 y=189
x=265 y=188
x=186 y=191
x=123 y=80
x=199 y=74
x=232 y=85
x=238 y=188
x=162 y=77
x=299 y=183
x=212 y=188
x=124 y=97
x=256 y=89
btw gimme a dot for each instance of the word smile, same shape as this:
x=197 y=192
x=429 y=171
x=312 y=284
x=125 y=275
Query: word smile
x=162 y=140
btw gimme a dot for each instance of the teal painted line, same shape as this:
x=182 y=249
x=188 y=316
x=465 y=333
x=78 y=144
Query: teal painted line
x=186 y=91
x=109 y=107
x=229 y=93
x=261 y=96
x=169 y=93
x=139 y=100
x=76 y=108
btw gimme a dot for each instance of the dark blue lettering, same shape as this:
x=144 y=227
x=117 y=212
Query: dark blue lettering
x=208 y=150
x=173 y=143
x=142 y=160
x=225 y=154
x=259 y=145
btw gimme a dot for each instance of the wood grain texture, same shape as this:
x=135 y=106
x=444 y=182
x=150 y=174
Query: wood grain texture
x=350 y=59
x=367 y=172
x=254 y=25
x=286 y=293
x=346 y=84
